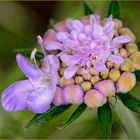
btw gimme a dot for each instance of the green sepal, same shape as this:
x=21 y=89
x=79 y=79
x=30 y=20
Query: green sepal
x=87 y=9
x=76 y=114
x=115 y=9
x=130 y=102
x=52 y=113
x=105 y=120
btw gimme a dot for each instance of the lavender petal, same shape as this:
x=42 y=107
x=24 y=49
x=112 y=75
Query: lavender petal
x=116 y=59
x=14 y=97
x=40 y=99
x=122 y=39
x=70 y=60
x=28 y=69
x=53 y=45
x=70 y=71
x=99 y=66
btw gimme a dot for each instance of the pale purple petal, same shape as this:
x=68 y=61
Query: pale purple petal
x=88 y=29
x=122 y=39
x=116 y=59
x=74 y=34
x=82 y=37
x=68 y=23
x=27 y=68
x=71 y=43
x=53 y=45
x=70 y=60
x=104 y=54
x=97 y=31
x=53 y=61
x=14 y=97
x=61 y=36
x=108 y=27
x=109 y=19
x=93 y=20
x=70 y=71
x=99 y=66
x=78 y=25
x=40 y=99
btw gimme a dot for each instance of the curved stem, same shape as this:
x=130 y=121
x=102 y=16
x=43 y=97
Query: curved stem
x=127 y=118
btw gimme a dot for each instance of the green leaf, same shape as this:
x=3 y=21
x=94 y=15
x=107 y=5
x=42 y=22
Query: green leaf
x=125 y=115
x=137 y=73
x=130 y=102
x=87 y=9
x=27 y=53
x=105 y=120
x=115 y=9
x=76 y=114
x=52 y=113
x=138 y=45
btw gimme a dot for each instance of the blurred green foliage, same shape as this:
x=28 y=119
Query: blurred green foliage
x=20 y=23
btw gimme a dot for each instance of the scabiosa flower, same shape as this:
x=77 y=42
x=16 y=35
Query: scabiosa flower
x=85 y=61
x=94 y=53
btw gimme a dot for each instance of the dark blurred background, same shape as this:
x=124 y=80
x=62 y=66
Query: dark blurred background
x=20 y=23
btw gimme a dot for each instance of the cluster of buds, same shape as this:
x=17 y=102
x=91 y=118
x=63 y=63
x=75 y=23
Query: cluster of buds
x=85 y=61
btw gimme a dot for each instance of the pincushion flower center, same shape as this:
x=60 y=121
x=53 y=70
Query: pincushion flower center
x=93 y=58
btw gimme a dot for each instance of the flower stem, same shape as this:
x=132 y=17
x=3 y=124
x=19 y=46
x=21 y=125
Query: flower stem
x=127 y=118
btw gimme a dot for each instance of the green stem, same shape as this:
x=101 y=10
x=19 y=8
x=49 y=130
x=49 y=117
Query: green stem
x=127 y=118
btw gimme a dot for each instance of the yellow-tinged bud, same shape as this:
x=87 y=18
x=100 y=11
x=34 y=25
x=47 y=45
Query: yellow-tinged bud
x=79 y=80
x=118 y=23
x=65 y=82
x=116 y=33
x=106 y=87
x=94 y=79
x=63 y=64
x=135 y=57
x=131 y=48
x=114 y=75
x=93 y=71
x=79 y=72
x=123 y=52
x=87 y=76
x=109 y=64
x=93 y=98
x=86 y=86
x=116 y=66
x=127 y=65
x=62 y=71
x=126 y=31
x=104 y=74
x=126 y=82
